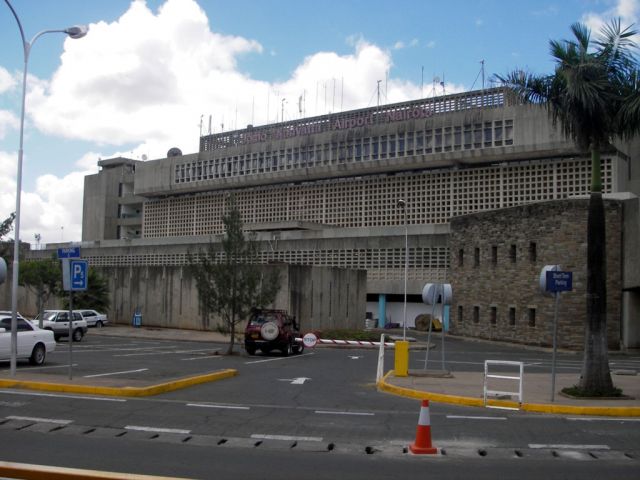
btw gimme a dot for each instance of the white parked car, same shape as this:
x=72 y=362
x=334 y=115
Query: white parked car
x=33 y=343
x=58 y=322
x=94 y=319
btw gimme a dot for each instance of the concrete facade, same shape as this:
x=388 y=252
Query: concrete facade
x=324 y=192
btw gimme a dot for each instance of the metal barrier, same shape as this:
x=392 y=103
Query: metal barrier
x=487 y=376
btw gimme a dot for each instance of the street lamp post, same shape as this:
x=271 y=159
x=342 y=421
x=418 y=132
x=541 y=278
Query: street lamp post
x=402 y=204
x=77 y=31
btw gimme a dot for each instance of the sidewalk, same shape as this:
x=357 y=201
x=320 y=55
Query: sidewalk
x=466 y=388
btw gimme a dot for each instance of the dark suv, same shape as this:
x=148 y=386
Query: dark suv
x=272 y=330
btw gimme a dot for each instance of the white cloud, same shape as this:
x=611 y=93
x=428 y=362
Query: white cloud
x=7 y=82
x=627 y=10
x=54 y=208
x=144 y=76
x=7 y=121
x=148 y=78
x=398 y=45
x=431 y=44
x=8 y=165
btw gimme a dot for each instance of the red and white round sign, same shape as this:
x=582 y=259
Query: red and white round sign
x=309 y=340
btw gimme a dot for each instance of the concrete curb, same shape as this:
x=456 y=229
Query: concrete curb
x=120 y=391
x=527 y=407
x=42 y=472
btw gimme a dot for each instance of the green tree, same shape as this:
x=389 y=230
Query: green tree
x=594 y=95
x=95 y=297
x=230 y=282
x=43 y=278
x=6 y=247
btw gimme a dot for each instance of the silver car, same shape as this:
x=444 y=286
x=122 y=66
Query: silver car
x=58 y=322
x=94 y=319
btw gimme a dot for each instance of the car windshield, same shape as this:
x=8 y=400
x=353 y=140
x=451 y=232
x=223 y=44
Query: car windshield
x=46 y=316
x=262 y=318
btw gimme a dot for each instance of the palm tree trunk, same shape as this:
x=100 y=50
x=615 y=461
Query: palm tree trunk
x=596 y=376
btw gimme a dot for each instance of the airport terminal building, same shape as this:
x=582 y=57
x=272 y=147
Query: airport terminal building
x=324 y=192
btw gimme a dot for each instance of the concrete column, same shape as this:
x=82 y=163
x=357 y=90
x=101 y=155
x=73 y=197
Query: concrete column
x=382 y=310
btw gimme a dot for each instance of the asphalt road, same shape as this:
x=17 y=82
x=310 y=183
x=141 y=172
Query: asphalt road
x=316 y=415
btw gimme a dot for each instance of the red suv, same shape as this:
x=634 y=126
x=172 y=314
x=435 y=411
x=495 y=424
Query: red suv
x=272 y=330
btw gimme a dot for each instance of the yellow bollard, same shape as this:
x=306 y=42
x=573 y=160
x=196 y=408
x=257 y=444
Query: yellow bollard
x=402 y=359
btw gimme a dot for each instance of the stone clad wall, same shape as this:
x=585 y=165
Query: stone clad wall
x=496 y=287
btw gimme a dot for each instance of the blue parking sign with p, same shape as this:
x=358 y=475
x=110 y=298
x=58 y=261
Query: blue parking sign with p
x=79 y=274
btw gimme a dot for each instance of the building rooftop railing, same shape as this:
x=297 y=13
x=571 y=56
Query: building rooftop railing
x=415 y=109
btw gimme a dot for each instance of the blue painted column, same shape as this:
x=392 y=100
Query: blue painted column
x=382 y=310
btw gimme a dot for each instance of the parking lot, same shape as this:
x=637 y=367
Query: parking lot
x=115 y=360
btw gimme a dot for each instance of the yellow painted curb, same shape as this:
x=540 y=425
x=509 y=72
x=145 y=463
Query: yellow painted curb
x=120 y=391
x=528 y=407
x=45 y=472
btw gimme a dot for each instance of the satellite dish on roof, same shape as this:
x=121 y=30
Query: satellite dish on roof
x=174 y=152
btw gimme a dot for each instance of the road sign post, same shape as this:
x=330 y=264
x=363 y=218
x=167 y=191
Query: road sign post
x=553 y=280
x=75 y=276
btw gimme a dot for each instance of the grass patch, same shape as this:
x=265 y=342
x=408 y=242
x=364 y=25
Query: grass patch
x=576 y=391
x=346 y=334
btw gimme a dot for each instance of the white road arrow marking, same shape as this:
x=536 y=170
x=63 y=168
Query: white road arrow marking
x=294 y=381
x=354 y=358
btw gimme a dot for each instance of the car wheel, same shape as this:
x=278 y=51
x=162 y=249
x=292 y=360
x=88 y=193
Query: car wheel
x=56 y=338
x=99 y=324
x=287 y=350
x=77 y=335
x=250 y=350
x=38 y=355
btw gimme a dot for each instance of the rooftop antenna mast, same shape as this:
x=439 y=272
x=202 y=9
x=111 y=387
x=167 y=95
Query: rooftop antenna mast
x=482 y=70
x=379 y=92
x=268 y=97
x=209 y=124
x=201 y=125
x=333 y=102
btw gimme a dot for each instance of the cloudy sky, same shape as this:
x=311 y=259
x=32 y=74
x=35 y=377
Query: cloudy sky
x=154 y=74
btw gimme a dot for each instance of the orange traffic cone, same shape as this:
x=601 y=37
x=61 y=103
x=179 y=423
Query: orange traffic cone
x=423 y=432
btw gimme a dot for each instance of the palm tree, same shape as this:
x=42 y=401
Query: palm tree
x=594 y=96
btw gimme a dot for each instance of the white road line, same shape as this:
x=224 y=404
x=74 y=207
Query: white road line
x=98 y=348
x=45 y=420
x=48 y=367
x=78 y=397
x=157 y=430
x=205 y=357
x=475 y=418
x=205 y=405
x=115 y=373
x=279 y=358
x=259 y=436
x=327 y=412
x=172 y=352
x=563 y=446
x=590 y=419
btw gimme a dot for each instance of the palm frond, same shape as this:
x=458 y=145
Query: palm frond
x=582 y=33
x=528 y=87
